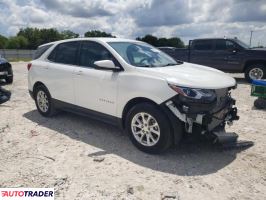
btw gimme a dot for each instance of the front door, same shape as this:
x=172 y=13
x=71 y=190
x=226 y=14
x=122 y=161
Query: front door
x=226 y=56
x=95 y=88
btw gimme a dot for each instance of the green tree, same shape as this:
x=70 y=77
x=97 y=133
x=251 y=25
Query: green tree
x=149 y=39
x=97 y=33
x=32 y=35
x=67 y=34
x=48 y=35
x=159 y=42
x=17 y=42
x=3 y=42
x=38 y=37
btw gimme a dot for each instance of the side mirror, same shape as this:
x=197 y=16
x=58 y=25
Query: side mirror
x=106 y=64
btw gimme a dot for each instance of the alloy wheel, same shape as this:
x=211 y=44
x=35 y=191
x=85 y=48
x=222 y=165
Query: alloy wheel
x=145 y=129
x=42 y=101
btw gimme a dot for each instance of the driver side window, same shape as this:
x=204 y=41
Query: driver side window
x=93 y=51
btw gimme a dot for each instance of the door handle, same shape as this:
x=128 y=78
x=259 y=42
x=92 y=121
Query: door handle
x=80 y=72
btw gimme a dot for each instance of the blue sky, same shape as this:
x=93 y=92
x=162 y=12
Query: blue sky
x=187 y=19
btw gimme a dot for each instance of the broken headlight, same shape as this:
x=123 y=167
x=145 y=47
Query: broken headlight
x=194 y=94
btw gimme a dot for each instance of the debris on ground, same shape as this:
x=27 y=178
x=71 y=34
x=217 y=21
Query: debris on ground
x=98 y=159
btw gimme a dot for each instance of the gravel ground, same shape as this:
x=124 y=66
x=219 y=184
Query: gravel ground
x=86 y=159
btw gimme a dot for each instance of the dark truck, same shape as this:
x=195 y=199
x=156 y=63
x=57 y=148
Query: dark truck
x=228 y=55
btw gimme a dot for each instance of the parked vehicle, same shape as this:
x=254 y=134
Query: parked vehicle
x=4 y=95
x=6 y=71
x=132 y=84
x=228 y=55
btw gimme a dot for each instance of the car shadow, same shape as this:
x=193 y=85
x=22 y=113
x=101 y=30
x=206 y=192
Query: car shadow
x=189 y=159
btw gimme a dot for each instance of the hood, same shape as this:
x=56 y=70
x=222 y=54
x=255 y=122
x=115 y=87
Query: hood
x=193 y=76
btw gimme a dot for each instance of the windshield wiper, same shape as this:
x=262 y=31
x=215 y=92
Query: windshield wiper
x=145 y=66
x=170 y=64
x=178 y=62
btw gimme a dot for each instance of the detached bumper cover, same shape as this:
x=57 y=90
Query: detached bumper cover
x=207 y=115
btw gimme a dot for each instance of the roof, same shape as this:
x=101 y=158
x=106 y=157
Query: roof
x=221 y=38
x=103 y=39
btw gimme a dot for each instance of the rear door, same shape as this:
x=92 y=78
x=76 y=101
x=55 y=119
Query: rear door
x=95 y=88
x=63 y=60
x=201 y=52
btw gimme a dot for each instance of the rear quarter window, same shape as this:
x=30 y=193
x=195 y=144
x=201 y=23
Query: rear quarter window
x=40 y=51
x=65 y=53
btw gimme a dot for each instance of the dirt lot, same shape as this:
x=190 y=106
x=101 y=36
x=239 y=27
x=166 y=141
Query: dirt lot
x=86 y=159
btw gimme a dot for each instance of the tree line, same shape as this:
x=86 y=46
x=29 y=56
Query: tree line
x=31 y=38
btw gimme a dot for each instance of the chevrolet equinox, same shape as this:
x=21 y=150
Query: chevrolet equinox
x=155 y=98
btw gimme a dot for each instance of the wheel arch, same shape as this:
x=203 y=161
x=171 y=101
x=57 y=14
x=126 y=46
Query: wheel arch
x=38 y=83
x=256 y=61
x=133 y=102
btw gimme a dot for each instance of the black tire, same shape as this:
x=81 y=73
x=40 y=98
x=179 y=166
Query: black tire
x=51 y=111
x=262 y=67
x=9 y=80
x=166 y=136
x=260 y=103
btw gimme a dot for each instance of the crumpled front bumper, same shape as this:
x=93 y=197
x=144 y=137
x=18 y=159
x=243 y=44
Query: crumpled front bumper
x=204 y=118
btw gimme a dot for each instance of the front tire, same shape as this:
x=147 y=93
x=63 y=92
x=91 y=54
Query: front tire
x=43 y=101
x=255 y=71
x=149 y=129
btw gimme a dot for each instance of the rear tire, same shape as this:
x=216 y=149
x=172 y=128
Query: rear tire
x=149 y=128
x=255 y=71
x=44 y=101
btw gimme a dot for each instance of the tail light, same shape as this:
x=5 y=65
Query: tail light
x=29 y=66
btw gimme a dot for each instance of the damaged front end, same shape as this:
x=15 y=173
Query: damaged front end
x=205 y=111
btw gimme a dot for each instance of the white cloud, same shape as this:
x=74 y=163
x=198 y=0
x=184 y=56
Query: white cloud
x=187 y=19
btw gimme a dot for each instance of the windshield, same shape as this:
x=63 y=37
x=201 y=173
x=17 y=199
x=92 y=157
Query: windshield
x=242 y=44
x=142 y=55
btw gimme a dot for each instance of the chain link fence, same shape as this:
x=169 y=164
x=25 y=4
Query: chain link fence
x=17 y=54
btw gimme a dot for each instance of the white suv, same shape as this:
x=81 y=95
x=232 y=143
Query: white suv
x=155 y=98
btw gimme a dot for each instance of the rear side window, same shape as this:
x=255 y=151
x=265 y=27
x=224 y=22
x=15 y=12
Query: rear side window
x=93 y=51
x=65 y=53
x=202 y=45
x=41 y=51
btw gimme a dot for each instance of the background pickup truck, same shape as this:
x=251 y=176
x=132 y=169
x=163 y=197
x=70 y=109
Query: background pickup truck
x=228 y=55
